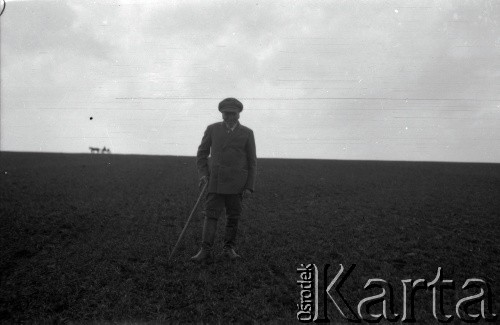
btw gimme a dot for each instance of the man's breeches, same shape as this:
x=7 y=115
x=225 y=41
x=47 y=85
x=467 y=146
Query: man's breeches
x=215 y=203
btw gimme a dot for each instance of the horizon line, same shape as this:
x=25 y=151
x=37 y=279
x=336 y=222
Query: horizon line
x=258 y=158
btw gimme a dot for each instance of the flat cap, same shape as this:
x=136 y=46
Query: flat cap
x=230 y=105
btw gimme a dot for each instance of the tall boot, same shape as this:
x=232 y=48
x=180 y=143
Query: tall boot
x=230 y=239
x=205 y=253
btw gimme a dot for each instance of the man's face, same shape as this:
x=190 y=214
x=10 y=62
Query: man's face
x=230 y=117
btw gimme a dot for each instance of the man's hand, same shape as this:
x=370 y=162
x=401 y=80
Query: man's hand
x=203 y=181
x=247 y=193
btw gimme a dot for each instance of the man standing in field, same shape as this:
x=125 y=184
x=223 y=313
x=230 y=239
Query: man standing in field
x=230 y=176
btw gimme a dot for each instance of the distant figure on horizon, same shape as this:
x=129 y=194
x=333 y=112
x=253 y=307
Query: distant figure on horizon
x=230 y=176
x=94 y=150
x=105 y=150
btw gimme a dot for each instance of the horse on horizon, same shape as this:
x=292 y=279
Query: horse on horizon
x=94 y=150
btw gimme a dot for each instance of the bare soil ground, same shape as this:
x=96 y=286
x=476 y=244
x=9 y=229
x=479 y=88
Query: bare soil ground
x=87 y=237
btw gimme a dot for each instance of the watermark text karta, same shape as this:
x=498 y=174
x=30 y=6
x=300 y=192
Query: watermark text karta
x=311 y=308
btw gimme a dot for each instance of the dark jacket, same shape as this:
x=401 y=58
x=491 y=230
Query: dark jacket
x=233 y=162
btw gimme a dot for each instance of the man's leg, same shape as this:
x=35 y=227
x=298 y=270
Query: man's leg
x=233 y=212
x=214 y=206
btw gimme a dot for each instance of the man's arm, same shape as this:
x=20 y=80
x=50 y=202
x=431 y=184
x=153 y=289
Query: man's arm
x=252 y=162
x=203 y=153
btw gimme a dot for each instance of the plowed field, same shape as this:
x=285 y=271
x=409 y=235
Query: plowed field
x=87 y=237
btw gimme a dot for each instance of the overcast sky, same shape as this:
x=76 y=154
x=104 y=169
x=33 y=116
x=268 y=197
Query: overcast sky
x=392 y=80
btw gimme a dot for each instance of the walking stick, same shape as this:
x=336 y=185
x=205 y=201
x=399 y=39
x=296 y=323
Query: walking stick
x=187 y=222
